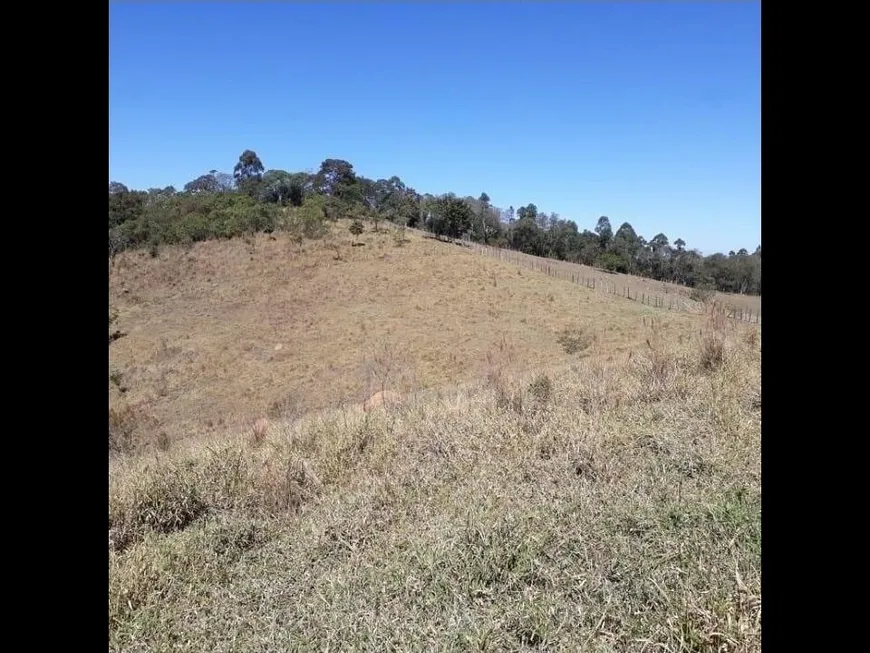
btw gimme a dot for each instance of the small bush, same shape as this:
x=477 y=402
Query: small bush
x=122 y=428
x=574 y=340
x=356 y=228
x=311 y=217
x=116 y=334
x=658 y=369
x=541 y=388
x=116 y=378
x=712 y=354
x=165 y=499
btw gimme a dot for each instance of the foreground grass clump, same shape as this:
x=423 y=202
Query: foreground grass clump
x=591 y=512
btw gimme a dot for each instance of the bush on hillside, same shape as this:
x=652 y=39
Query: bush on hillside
x=611 y=262
x=308 y=220
x=574 y=341
x=356 y=228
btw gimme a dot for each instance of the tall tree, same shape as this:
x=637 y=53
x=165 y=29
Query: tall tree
x=124 y=205
x=625 y=245
x=484 y=210
x=336 y=178
x=202 y=184
x=526 y=236
x=604 y=231
x=281 y=187
x=225 y=182
x=248 y=167
x=116 y=187
x=450 y=216
x=528 y=211
x=659 y=243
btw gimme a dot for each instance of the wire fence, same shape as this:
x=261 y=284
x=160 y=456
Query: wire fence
x=672 y=297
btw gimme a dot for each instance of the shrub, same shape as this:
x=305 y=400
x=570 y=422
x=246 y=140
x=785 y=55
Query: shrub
x=574 y=340
x=163 y=500
x=194 y=217
x=117 y=378
x=122 y=429
x=712 y=354
x=541 y=388
x=611 y=262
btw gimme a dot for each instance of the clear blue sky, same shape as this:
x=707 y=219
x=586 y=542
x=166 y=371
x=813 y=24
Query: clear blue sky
x=645 y=112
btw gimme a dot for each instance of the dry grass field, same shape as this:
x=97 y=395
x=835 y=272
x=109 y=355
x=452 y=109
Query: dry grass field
x=671 y=295
x=229 y=331
x=568 y=471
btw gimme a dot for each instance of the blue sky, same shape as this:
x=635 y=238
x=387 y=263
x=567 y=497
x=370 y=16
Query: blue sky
x=645 y=112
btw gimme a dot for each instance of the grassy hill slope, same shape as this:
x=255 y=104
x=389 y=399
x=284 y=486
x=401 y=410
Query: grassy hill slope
x=614 y=506
x=227 y=331
x=529 y=500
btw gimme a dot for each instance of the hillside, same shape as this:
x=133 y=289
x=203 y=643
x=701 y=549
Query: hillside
x=223 y=332
x=670 y=295
x=611 y=506
x=525 y=499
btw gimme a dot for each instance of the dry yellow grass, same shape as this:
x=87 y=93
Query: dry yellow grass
x=612 y=505
x=227 y=332
x=670 y=295
x=519 y=498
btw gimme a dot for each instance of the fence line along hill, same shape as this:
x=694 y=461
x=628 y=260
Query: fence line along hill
x=659 y=294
